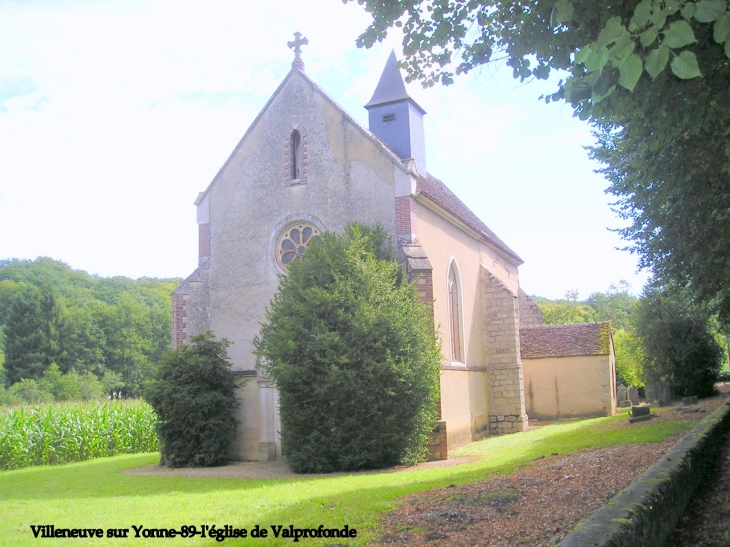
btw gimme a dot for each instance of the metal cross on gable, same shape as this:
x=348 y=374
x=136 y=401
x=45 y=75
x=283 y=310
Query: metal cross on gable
x=296 y=44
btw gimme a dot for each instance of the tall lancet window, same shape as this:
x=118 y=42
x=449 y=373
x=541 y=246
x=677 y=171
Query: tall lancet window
x=457 y=352
x=296 y=155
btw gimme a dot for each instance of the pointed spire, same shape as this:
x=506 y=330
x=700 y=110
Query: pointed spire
x=391 y=88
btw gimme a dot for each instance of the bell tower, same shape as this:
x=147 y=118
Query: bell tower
x=395 y=118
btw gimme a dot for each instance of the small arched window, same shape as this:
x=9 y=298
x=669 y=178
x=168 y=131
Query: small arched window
x=455 y=330
x=296 y=154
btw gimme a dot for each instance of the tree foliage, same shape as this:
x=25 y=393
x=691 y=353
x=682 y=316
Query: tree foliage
x=28 y=347
x=629 y=357
x=651 y=76
x=82 y=323
x=677 y=341
x=194 y=395
x=353 y=354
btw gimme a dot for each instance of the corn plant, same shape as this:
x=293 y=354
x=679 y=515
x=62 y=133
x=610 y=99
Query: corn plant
x=57 y=433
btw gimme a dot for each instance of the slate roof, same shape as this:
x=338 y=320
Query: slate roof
x=565 y=340
x=439 y=193
x=391 y=88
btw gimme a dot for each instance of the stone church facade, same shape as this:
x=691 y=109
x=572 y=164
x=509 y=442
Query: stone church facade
x=305 y=166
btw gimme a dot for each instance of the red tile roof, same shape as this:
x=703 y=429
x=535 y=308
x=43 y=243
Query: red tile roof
x=565 y=340
x=439 y=193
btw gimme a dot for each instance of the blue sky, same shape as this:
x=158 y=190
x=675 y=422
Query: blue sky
x=115 y=114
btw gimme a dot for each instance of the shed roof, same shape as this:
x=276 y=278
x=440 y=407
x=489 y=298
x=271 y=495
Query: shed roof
x=565 y=340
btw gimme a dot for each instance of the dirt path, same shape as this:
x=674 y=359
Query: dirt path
x=534 y=506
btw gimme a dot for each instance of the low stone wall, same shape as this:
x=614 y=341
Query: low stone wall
x=647 y=511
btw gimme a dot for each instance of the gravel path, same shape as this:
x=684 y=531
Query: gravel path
x=536 y=505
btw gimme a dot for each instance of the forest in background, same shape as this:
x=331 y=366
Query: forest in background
x=65 y=334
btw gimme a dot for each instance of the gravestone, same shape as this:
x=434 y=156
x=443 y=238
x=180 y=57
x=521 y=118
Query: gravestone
x=663 y=395
x=633 y=394
x=687 y=401
x=622 y=395
x=640 y=413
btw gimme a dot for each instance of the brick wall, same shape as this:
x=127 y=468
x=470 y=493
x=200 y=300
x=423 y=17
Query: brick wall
x=404 y=217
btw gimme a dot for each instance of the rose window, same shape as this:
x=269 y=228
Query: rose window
x=293 y=242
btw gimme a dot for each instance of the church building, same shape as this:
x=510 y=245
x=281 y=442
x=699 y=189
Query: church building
x=305 y=166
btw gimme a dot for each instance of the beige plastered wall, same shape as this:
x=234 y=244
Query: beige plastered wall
x=464 y=386
x=569 y=387
x=349 y=177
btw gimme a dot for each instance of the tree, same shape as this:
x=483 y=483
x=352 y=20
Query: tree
x=193 y=393
x=353 y=354
x=615 y=305
x=678 y=200
x=127 y=331
x=651 y=76
x=565 y=312
x=629 y=357
x=27 y=349
x=677 y=341
x=91 y=324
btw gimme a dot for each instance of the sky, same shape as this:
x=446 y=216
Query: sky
x=115 y=114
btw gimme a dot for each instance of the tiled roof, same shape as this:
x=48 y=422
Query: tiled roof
x=565 y=340
x=438 y=192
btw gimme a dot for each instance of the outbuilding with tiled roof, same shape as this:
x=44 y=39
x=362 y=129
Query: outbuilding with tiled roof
x=569 y=370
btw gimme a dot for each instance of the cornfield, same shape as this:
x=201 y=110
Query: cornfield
x=58 y=433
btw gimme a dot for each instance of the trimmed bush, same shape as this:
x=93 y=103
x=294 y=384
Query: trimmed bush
x=193 y=394
x=353 y=354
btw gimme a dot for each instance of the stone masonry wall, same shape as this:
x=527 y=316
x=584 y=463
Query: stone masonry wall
x=437 y=443
x=502 y=350
x=179 y=334
x=530 y=314
x=204 y=240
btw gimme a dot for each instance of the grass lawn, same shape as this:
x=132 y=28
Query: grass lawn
x=94 y=494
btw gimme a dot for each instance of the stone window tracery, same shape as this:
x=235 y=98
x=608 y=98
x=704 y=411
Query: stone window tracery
x=292 y=243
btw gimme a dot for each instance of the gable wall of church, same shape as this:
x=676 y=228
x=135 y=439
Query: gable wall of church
x=349 y=178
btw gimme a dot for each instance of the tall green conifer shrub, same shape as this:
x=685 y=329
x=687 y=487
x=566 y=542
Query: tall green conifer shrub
x=354 y=356
x=193 y=394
